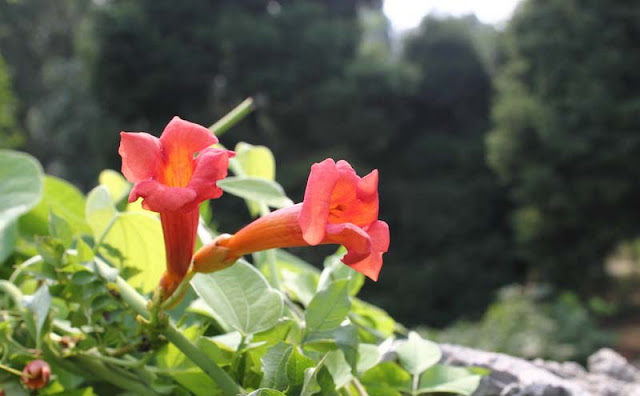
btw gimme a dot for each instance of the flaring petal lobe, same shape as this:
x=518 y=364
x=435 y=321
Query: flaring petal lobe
x=211 y=166
x=354 y=238
x=185 y=137
x=317 y=201
x=141 y=155
x=159 y=198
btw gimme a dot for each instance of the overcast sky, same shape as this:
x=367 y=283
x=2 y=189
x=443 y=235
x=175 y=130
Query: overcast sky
x=406 y=14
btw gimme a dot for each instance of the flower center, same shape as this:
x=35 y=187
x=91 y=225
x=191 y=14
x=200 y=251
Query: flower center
x=178 y=168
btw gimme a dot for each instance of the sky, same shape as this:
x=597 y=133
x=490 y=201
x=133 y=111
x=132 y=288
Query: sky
x=406 y=14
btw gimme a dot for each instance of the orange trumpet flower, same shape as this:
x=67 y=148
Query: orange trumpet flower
x=174 y=174
x=338 y=208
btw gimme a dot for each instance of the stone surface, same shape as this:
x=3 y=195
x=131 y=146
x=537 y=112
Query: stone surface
x=608 y=374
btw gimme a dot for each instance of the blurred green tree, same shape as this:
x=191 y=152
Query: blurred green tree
x=10 y=135
x=450 y=214
x=46 y=46
x=567 y=133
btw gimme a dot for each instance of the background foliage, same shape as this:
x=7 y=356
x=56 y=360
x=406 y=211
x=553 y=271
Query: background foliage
x=505 y=155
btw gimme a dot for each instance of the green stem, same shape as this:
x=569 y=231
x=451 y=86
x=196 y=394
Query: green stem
x=178 y=294
x=11 y=370
x=139 y=304
x=232 y=118
x=224 y=381
x=12 y=291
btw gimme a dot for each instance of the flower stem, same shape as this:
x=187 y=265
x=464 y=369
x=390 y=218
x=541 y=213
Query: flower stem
x=139 y=304
x=12 y=291
x=232 y=118
x=11 y=370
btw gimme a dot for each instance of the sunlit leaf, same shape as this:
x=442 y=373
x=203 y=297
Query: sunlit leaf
x=137 y=236
x=256 y=189
x=417 y=354
x=61 y=198
x=328 y=308
x=20 y=190
x=448 y=379
x=115 y=183
x=241 y=297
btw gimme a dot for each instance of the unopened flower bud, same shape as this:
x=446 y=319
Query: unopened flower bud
x=36 y=374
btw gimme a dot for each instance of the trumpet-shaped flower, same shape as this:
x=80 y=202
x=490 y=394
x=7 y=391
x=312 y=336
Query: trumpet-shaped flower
x=173 y=174
x=338 y=208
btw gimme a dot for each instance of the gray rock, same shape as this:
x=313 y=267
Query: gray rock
x=609 y=374
x=607 y=361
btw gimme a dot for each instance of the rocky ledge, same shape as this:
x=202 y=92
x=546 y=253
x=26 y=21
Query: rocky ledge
x=607 y=374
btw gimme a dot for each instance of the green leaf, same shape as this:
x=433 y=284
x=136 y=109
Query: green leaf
x=256 y=189
x=368 y=316
x=137 y=236
x=256 y=161
x=368 y=356
x=338 y=367
x=448 y=379
x=62 y=198
x=241 y=297
x=417 y=354
x=20 y=190
x=296 y=366
x=59 y=228
x=334 y=269
x=266 y=392
x=346 y=338
x=328 y=308
x=274 y=367
x=39 y=304
x=386 y=379
x=115 y=183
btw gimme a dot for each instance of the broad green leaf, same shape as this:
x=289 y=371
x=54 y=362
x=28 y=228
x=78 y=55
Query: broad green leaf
x=20 y=190
x=334 y=269
x=448 y=379
x=346 y=338
x=59 y=228
x=137 y=236
x=266 y=392
x=39 y=304
x=100 y=212
x=115 y=183
x=368 y=356
x=61 y=198
x=338 y=367
x=256 y=189
x=241 y=297
x=386 y=379
x=274 y=367
x=375 y=319
x=256 y=161
x=296 y=366
x=311 y=386
x=328 y=308
x=417 y=354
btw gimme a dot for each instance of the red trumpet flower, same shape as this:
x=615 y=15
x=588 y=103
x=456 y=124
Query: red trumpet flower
x=173 y=175
x=338 y=208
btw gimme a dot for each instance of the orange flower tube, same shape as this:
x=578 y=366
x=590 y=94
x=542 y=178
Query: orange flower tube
x=338 y=208
x=174 y=174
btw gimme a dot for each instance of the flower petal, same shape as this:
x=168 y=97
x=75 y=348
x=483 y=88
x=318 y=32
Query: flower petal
x=317 y=200
x=141 y=155
x=211 y=165
x=354 y=238
x=160 y=198
x=185 y=137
